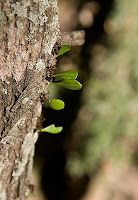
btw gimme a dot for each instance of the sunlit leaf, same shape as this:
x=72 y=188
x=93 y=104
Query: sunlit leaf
x=63 y=49
x=67 y=75
x=52 y=129
x=56 y=104
x=70 y=84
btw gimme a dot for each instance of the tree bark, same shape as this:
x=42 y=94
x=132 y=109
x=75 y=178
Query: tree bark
x=28 y=31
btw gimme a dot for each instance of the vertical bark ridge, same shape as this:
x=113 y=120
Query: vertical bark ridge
x=28 y=31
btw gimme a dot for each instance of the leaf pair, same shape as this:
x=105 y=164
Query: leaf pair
x=67 y=79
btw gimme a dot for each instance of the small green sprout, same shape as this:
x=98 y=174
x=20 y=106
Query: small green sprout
x=51 y=129
x=63 y=49
x=70 y=84
x=56 y=104
x=31 y=194
x=67 y=79
x=67 y=75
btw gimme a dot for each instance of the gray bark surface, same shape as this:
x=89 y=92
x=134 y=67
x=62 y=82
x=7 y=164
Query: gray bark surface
x=28 y=31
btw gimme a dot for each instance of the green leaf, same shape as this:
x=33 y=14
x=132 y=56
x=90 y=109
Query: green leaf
x=70 y=84
x=56 y=104
x=31 y=194
x=52 y=129
x=67 y=75
x=63 y=49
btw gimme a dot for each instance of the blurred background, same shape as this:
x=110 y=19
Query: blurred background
x=95 y=157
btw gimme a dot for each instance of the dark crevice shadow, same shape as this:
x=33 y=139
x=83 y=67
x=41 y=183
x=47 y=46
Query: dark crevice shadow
x=55 y=183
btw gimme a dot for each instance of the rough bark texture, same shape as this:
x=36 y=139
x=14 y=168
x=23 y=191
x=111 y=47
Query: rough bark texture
x=28 y=31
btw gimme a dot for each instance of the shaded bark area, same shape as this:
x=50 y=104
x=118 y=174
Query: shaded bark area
x=28 y=32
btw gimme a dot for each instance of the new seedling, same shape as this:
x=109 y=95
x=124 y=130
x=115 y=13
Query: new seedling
x=67 y=79
x=56 y=104
x=63 y=49
x=51 y=129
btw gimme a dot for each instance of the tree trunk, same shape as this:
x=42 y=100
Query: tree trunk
x=28 y=31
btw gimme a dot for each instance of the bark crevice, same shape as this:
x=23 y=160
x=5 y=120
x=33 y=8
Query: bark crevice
x=28 y=32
